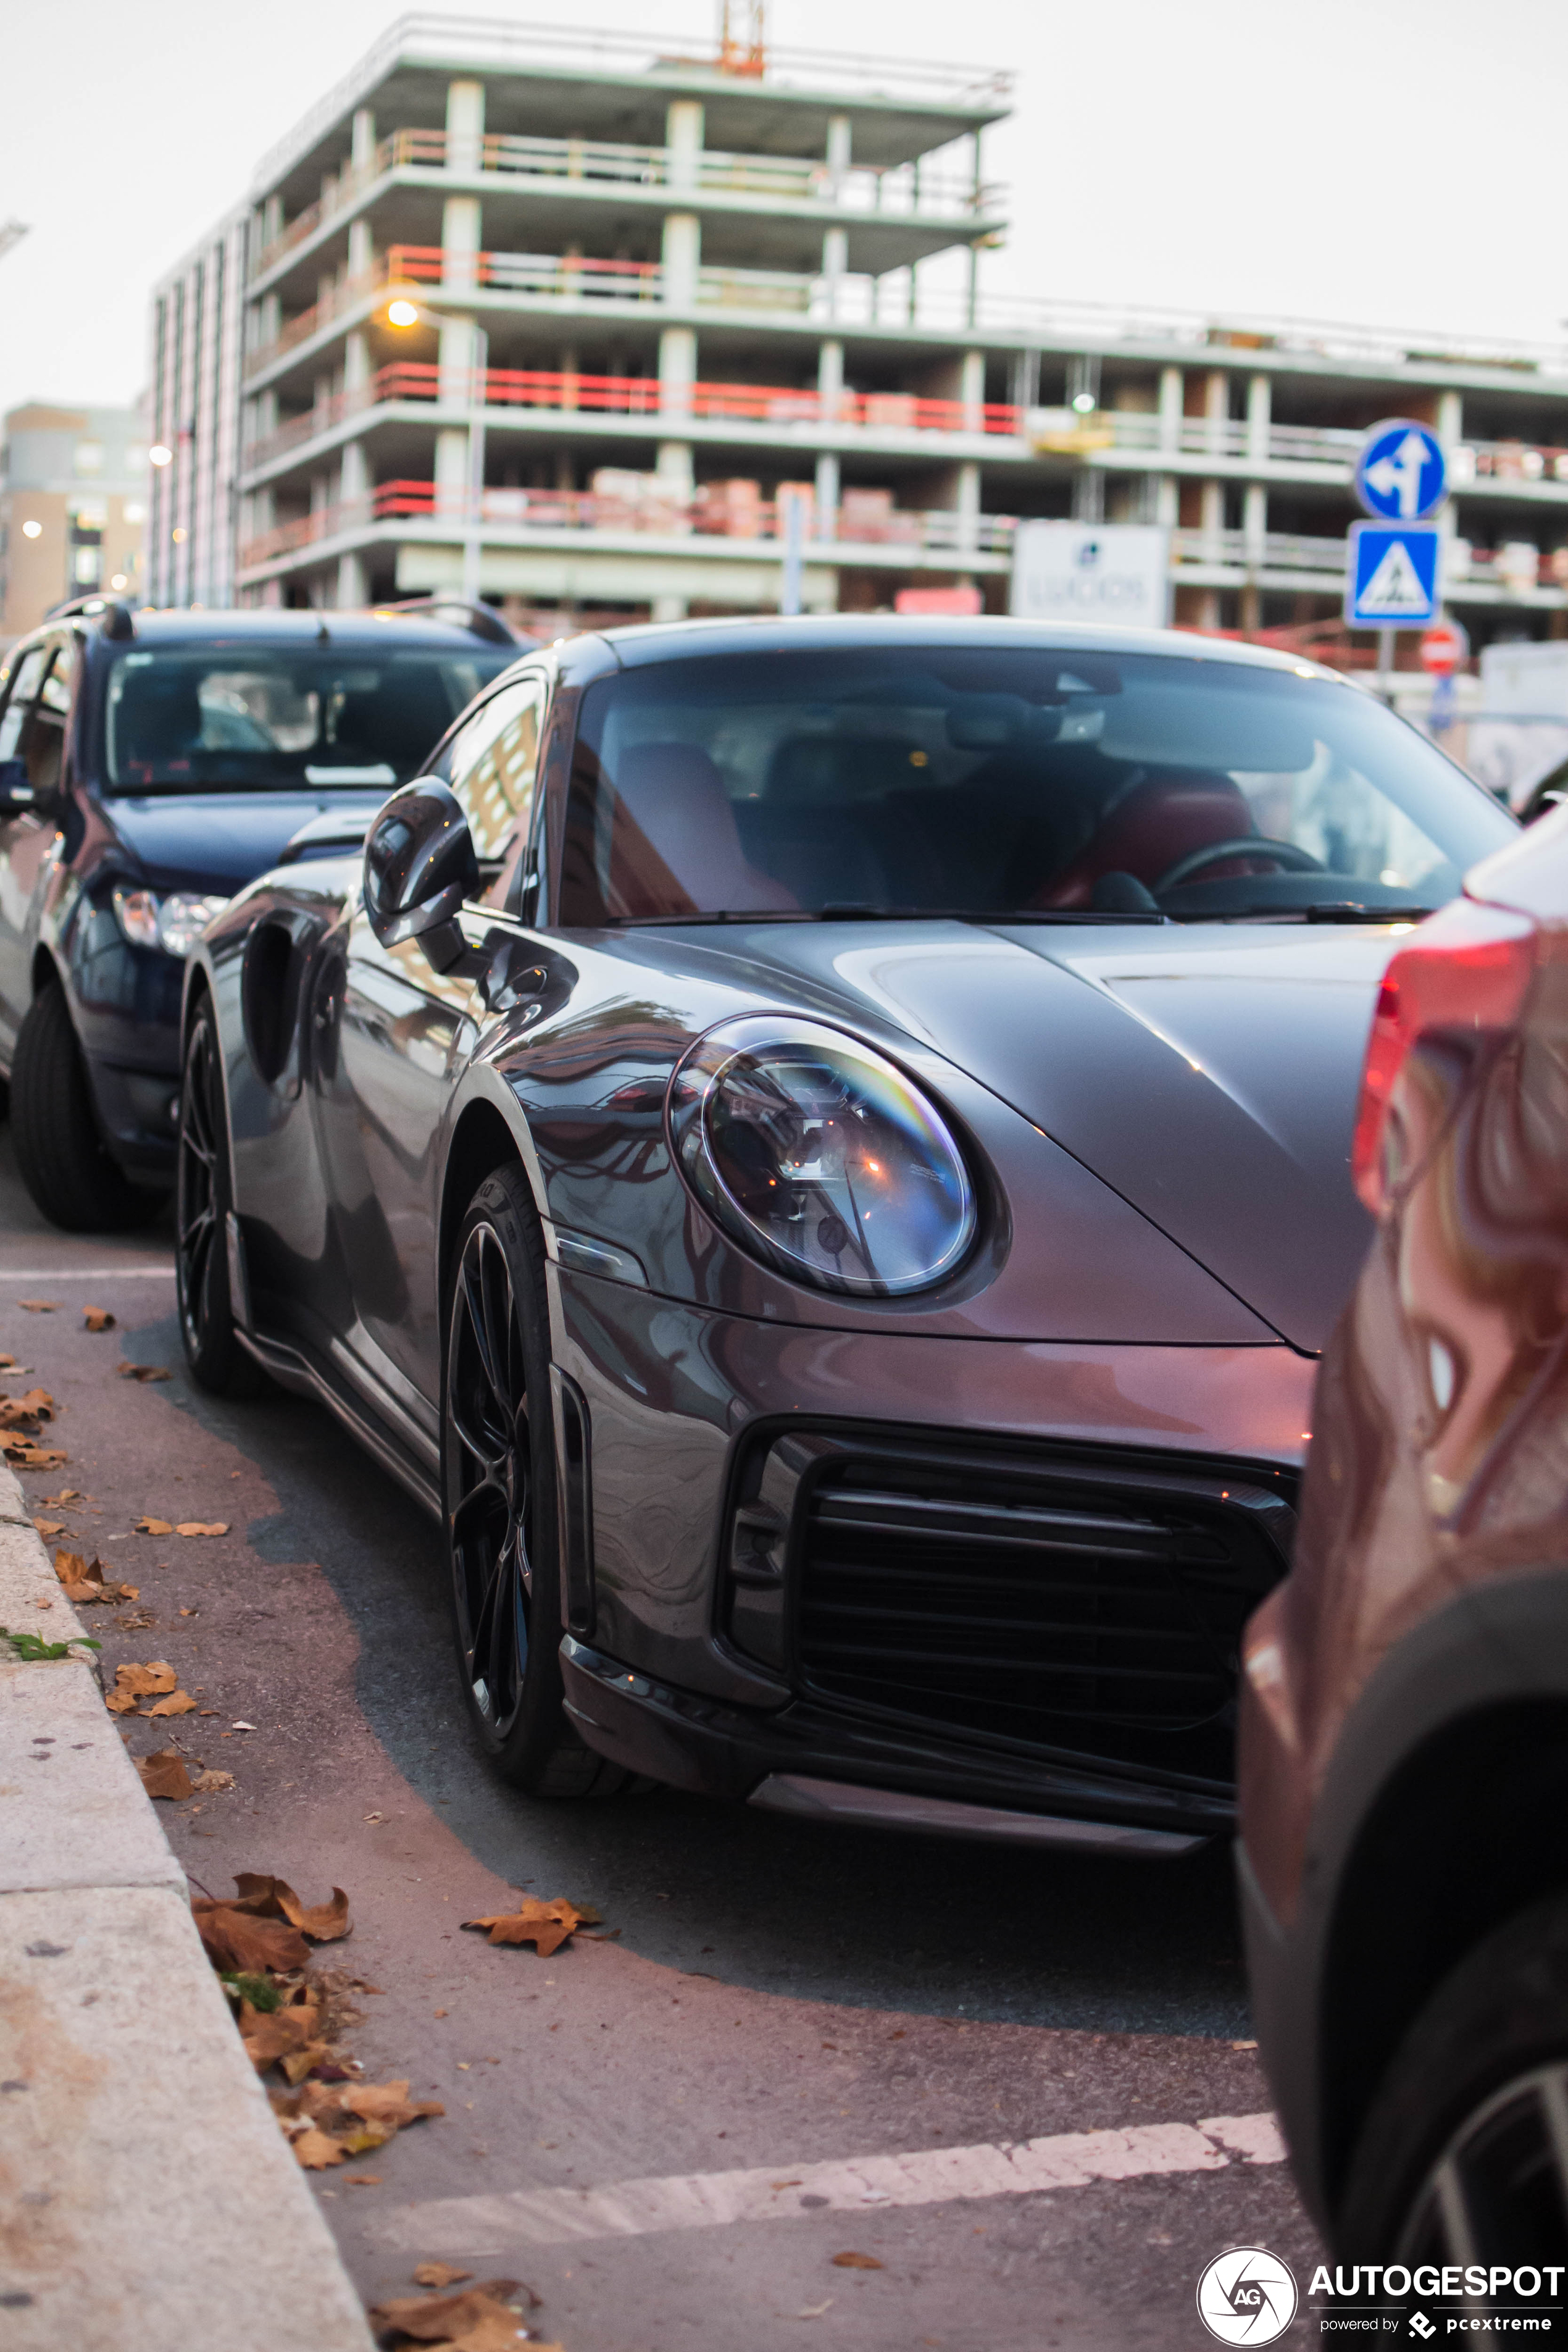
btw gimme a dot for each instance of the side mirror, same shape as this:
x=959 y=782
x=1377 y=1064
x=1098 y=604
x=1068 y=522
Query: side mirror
x=420 y=869
x=17 y=794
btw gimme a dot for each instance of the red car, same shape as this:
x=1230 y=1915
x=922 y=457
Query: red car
x=1405 y=1711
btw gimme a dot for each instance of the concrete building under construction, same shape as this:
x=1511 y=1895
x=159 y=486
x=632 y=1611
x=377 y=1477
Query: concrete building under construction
x=652 y=301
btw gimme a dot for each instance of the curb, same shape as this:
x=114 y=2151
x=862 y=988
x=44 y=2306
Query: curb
x=148 y=2194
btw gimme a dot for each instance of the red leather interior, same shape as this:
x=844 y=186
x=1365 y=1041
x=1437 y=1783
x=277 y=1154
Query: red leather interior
x=673 y=846
x=1148 y=829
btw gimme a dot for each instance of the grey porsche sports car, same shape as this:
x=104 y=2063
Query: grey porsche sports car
x=818 y=1150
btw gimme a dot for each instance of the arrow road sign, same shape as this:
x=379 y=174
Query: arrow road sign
x=1391 y=579
x=1401 y=473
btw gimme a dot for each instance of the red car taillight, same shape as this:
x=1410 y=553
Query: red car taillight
x=1467 y=967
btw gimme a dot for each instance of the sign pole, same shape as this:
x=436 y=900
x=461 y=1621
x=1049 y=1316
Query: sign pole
x=1385 y=664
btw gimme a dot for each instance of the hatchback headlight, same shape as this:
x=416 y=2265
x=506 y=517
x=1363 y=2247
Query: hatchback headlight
x=175 y=923
x=821 y=1158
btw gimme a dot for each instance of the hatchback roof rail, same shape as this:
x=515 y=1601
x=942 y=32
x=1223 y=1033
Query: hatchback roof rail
x=118 y=621
x=479 y=620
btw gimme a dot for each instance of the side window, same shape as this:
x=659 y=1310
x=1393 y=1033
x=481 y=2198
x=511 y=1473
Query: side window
x=24 y=681
x=42 y=739
x=491 y=763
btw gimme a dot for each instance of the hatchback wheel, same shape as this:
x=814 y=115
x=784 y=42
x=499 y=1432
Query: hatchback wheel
x=61 y=1154
x=1464 y=2155
x=500 y=1501
x=204 y=1196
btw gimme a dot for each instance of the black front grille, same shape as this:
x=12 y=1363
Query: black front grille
x=1059 y=1606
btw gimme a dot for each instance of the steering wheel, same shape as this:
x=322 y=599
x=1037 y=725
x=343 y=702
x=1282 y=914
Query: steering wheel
x=1283 y=854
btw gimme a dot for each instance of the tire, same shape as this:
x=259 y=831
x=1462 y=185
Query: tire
x=1463 y=2112
x=499 y=1492
x=61 y=1154
x=204 y=1194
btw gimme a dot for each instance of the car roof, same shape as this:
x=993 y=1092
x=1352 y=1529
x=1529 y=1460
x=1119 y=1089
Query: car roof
x=265 y=624
x=677 y=640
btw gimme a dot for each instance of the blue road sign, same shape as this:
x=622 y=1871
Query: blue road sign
x=1391 y=579
x=1401 y=473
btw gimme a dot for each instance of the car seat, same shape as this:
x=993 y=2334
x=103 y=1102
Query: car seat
x=675 y=847
x=1161 y=815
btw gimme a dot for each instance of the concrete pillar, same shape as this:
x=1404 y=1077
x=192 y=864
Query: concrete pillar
x=460 y=235
x=1259 y=415
x=1451 y=418
x=830 y=377
x=1213 y=519
x=677 y=370
x=1217 y=407
x=1172 y=391
x=1167 y=501
x=451 y=476
x=667 y=607
x=356 y=361
x=465 y=125
x=354 y=479
x=972 y=390
x=835 y=260
x=1255 y=522
x=673 y=467
x=684 y=134
x=455 y=363
x=839 y=146
x=681 y=258
x=353 y=587
x=827 y=521
x=362 y=139
x=968 y=488
x=361 y=249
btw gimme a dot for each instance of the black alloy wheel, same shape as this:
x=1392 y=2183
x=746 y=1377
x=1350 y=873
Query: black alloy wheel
x=1464 y=2155
x=60 y=1152
x=203 y=1197
x=500 y=1501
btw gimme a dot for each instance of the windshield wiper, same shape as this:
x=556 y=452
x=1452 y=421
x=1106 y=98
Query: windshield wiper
x=858 y=914
x=1320 y=910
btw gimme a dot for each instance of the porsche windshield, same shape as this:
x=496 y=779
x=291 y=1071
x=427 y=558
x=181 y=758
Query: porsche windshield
x=1007 y=781
x=237 y=716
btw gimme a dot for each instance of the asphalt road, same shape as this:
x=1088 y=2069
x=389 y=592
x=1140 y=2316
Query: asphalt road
x=779 y=1994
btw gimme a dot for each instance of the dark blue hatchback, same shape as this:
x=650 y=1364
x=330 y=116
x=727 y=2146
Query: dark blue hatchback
x=150 y=764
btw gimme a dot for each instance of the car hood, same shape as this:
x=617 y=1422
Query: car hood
x=1209 y=1075
x=217 y=840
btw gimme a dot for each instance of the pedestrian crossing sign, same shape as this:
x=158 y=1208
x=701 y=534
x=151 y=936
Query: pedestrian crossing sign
x=1392 y=577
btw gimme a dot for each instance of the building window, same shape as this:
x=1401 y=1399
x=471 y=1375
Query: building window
x=90 y=457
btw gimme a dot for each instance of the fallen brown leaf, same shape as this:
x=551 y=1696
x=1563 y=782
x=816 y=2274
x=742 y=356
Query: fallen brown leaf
x=24 y=1412
x=84 y=1580
x=121 y=1702
x=38 y=1306
x=271 y=2035
x=164 y=1775
x=155 y=1526
x=7 y=1363
x=361 y=2179
x=202 y=1528
x=546 y=1926
x=98 y=1318
x=146 y=1682
x=23 y=1454
x=856 y=2262
x=439 y=2274
x=141 y=1372
x=210 y=1782
x=178 y=1702
x=71 y=1495
x=50 y=1526
x=273 y=1898
x=451 y=2318
x=316 y=2151
x=237 y=1939
x=387 y=2103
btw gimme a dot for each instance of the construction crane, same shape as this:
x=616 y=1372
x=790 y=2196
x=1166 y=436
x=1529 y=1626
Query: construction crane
x=742 y=37
x=12 y=232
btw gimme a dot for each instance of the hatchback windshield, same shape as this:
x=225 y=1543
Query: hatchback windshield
x=235 y=715
x=1013 y=781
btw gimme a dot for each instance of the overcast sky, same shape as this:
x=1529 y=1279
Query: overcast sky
x=1392 y=162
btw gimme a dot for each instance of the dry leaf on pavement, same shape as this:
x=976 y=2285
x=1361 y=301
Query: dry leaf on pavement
x=273 y=1898
x=121 y=1702
x=439 y=2274
x=202 y=1528
x=98 y=1318
x=7 y=1363
x=25 y=1454
x=546 y=1926
x=24 y=1412
x=451 y=2318
x=164 y=1775
x=210 y=1783
x=84 y=1578
x=38 y=1306
x=146 y=1682
x=145 y=1526
x=237 y=1939
x=856 y=2262
x=178 y=1702
x=326 y=2122
x=387 y=2103
x=141 y=1372
x=50 y=1526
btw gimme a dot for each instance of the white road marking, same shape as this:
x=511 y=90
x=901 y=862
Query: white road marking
x=704 y=2201
x=87 y=1273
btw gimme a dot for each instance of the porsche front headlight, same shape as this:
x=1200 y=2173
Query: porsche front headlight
x=173 y=923
x=821 y=1158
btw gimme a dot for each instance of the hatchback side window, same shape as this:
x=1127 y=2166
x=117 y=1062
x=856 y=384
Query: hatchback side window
x=492 y=763
x=42 y=739
x=24 y=691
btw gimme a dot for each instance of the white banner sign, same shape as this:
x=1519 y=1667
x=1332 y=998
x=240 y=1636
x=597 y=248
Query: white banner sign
x=1115 y=572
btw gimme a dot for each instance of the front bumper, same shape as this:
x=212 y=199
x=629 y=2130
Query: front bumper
x=697 y=1743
